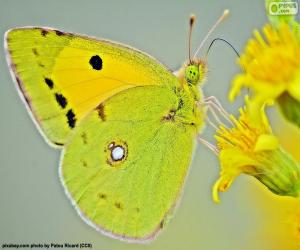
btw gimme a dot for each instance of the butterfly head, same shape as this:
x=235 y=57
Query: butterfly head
x=194 y=72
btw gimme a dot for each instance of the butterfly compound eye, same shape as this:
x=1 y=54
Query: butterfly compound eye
x=192 y=74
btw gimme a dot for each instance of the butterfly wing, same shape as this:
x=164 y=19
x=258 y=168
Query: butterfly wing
x=126 y=163
x=62 y=76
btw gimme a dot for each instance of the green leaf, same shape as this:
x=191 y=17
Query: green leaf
x=290 y=108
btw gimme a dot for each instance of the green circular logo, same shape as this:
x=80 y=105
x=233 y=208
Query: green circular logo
x=274 y=8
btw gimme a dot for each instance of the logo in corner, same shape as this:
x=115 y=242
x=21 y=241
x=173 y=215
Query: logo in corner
x=283 y=8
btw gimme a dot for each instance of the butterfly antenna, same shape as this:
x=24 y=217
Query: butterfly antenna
x=221 y=19
x=192 y=21
x=223 y=40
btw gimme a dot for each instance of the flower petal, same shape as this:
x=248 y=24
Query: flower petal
x=238 y=82
x=221 y=185
x=294 y=87
x=266 y=142
x=233 y=160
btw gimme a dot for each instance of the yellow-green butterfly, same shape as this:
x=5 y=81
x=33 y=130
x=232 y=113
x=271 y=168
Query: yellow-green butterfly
x=126 y=124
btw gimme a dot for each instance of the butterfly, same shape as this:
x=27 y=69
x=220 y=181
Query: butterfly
x=125 y=123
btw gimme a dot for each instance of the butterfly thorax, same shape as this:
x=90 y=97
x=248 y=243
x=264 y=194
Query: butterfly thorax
x=191 y=76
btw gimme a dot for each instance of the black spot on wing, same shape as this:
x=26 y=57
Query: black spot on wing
x=170 y=116
x=71 y=118
x=180 y=104
x=34 y=50
x=84 y=163
x=58 y=143
x=100 y=110
x=59 y=33
x=84 y=138
x=102 y=196
x=49 y=82
x=162 y=224
x=119 y=205
x=96 y=62
x=44 y=32
x=61 y=100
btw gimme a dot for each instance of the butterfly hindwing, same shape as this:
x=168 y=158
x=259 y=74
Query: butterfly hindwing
x=63 y=76
x=126 y=163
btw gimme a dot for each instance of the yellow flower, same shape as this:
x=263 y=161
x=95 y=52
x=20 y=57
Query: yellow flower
x=293 y=222
x=250 y=147
x=280 y=225
x=271 y=66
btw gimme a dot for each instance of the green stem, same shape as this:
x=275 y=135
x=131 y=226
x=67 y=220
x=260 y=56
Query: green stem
x=279 y=172
x=290 y=108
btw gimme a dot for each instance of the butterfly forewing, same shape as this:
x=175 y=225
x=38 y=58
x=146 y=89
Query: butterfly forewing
x=63 y=76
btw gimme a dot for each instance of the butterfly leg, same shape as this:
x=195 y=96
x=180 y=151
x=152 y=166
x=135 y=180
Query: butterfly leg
x=215 y=103
x=216 y=112
x=209 y=145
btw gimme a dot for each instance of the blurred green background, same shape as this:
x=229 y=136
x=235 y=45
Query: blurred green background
x=33 y=206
